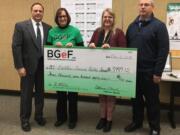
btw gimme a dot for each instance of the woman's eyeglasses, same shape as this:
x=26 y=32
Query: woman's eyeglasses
x=145 y=4
x=62 y=16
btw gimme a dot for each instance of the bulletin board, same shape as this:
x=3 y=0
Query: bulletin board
x=173 y=26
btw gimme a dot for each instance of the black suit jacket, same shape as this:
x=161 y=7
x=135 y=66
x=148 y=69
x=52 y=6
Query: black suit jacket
x=26 y=52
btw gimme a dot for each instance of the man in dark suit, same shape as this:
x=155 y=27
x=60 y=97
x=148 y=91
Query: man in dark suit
x=27 y=46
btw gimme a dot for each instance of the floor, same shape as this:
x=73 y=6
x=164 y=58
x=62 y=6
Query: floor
x=88 y=117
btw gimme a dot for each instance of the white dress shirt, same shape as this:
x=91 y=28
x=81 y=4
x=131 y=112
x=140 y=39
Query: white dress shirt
x=41 y=29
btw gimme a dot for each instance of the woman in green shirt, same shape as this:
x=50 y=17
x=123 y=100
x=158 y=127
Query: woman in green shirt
x=65 y=35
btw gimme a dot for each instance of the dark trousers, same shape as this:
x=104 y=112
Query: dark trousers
x=61 y=108
x=27 y=85
x=147 y=94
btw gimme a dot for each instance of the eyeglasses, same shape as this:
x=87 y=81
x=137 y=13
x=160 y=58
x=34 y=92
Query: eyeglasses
x=145 y=4
x=107 y=17
x=62 y=16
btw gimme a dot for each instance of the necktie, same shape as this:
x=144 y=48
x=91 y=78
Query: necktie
x=39 y=36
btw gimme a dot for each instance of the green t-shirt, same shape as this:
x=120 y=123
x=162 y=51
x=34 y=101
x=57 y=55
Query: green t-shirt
x=65 y=35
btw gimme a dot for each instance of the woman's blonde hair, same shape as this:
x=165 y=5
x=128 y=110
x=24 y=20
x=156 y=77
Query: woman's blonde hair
x=109 y=10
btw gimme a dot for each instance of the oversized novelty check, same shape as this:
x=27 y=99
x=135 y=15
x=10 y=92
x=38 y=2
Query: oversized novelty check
x=99 y=71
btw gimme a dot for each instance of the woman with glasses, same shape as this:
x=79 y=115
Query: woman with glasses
x=107 y=36
x=65 y=35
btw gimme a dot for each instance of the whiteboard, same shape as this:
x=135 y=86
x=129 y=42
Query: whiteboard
x=86 y=15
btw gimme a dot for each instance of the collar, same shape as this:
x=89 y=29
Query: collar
x=63 y=27
x=34 y=22
x=147 y=20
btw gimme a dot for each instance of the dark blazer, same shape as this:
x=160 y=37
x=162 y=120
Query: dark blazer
x=26 y=52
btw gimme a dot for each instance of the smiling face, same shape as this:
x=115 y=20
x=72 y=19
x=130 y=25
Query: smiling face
x=37 y=12
x=107 y=20
x=62 y=19
x=146 y=8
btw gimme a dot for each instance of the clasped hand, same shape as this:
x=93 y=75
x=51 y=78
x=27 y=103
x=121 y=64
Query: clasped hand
x=92 y=45
x=59 y=44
